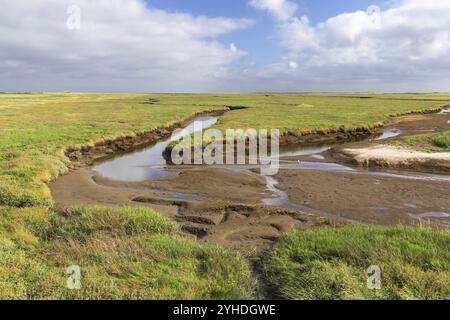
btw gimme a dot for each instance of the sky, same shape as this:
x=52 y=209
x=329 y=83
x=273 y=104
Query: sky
x=225 y=46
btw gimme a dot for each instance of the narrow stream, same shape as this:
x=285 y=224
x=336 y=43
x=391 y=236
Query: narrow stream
x=149 y=164
x=389 y=133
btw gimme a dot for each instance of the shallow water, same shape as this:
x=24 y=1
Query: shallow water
x=434 y=214
x=389 y=133
x=148 y=164
x=295 y=151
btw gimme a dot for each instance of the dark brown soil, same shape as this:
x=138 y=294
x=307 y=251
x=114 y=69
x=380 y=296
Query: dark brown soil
x=222 y=206
x=229 y=215
x=369 y=199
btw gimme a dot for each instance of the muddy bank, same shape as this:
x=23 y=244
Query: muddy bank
x=204 y=182
x=345 y=135
x=108 y=149
x=374 y=154
x=385 y=156
x=378 y=200
x=212 y=205
x=88 y=155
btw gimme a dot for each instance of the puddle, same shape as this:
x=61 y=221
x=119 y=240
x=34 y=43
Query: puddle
x=321 y=166
x=179 y=196
x=389 y=133
x=148 y=164
x=379 y=208
x=434 y=214
x=327 y=166
x=298 y=150
x=446 y=110
x=183 y=196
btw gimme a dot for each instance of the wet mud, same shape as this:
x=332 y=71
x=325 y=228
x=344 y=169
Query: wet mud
x=238 y=208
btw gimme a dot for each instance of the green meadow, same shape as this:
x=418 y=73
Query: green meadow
x=134 y=253
x=37 y=128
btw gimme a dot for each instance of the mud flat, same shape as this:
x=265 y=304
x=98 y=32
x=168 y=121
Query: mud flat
x=380 y=200
x=212 y=205
x=381 y=155
x=236 y=207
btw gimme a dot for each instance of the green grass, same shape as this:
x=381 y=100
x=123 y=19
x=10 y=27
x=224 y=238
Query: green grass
x=442 y=140
x=134 y=253
x=37 y=128
x=427 y=142
x=332 y=263
x=123 y=253
x=301 y=114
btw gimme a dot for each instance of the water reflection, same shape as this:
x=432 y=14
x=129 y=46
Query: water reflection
x=148 y=164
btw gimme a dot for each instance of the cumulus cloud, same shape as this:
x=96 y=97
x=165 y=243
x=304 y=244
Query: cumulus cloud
x=414 y=32
x=121 y=45
x=125 y=45
x=404 y=47
x=280 y=9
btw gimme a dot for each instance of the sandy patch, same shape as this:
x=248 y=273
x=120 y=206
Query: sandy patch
x=384 y=155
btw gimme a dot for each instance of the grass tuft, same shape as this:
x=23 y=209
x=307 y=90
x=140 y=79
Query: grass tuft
x=427 y=142
x=332 y=263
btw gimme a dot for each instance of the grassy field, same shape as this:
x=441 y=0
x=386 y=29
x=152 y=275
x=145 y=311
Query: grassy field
x=325 y=112
x=332 y=264
x=37 y=128
x=427 y=142
x=132 y=253
x=125 y=253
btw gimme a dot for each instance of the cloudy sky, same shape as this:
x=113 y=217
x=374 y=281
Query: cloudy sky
x=224 y=46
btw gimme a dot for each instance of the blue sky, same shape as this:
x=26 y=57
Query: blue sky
x=225 y=46
x=317 y=10
x=259 y=40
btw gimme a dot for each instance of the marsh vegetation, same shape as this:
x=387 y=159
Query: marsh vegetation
x=136 y=253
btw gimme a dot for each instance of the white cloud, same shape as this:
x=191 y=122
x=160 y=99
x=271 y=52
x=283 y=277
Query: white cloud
x=409 y=34
x=234 y=49
x=122 y=45
x=280 y=9
x=293 y=65
x=404 y=47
